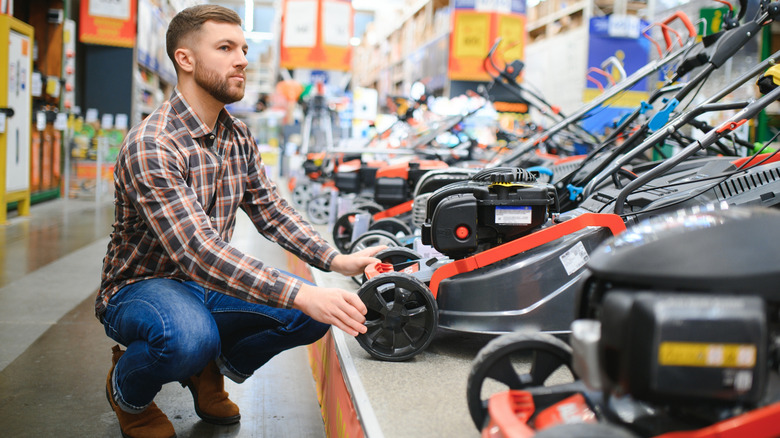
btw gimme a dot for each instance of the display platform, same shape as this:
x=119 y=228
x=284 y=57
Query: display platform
x=422 y=397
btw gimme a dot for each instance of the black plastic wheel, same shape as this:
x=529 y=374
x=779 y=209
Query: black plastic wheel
x=402 y=316
x=342 y=230
x=318 y=209
x=585 y=430
x=392 y=225
x=373 y=238
x=506 y=360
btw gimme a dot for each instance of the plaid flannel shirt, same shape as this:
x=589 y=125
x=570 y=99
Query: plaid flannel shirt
x=178 y=186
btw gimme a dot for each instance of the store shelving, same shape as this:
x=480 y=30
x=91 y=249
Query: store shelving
x=388 y=57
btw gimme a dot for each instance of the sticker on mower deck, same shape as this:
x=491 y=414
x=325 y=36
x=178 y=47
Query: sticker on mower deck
x=574 y=258
x=411 y=269
x=520 y=215
x=695 y=354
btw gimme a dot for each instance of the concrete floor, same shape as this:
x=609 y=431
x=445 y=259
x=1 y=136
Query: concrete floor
x=54 y=355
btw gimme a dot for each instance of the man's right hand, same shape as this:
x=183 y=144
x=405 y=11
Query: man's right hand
x=332 y=306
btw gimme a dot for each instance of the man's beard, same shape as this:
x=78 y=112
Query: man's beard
x=219 y=88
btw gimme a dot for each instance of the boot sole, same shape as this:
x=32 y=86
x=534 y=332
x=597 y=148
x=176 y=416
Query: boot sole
x=219 y=421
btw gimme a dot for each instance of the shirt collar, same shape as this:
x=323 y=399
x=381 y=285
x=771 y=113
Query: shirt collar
x=194 y=124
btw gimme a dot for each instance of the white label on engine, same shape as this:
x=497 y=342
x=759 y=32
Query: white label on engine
x=743 y=381
x=521 y=215
x=574 y=258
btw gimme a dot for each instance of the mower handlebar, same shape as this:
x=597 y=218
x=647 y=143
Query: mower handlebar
x=679 y=15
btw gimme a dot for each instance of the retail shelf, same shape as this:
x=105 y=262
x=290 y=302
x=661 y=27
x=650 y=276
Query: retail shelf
x=539 y=26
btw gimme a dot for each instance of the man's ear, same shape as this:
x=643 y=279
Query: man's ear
x=185 y=59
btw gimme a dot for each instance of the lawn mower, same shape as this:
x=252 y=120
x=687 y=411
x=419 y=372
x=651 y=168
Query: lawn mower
x=492 y=235
x=395 y=186
x=676 y=336
x=506 y=267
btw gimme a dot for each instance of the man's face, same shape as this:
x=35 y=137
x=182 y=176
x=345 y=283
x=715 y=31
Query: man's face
x=220 y=60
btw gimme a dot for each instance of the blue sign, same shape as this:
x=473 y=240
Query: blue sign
x=319 y=76
x=502 y=6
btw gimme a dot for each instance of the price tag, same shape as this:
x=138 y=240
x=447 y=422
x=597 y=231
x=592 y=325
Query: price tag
x=53 y=86
x=120 y=122
x=107 y=121
x=36 y=87
x=40 y=120
x=61 y=122
x=300 y=24
x=336 y=23
x=471 y=35
x=92 y=115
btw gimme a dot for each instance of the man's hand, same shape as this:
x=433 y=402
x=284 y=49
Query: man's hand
x=355 y=263
x=332 y=306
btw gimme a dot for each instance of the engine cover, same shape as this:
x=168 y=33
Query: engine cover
x=676 y=348
x=465 y=217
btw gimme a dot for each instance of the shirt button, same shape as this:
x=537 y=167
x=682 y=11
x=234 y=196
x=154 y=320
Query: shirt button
x=213 y=218
x=211 y=137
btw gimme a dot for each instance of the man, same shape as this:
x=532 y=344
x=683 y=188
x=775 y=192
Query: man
x=188 y=306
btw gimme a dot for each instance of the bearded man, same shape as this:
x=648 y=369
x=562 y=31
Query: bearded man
x=188 y=306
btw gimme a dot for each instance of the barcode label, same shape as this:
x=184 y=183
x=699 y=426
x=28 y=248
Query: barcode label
x=574 y=258
x=521 y=215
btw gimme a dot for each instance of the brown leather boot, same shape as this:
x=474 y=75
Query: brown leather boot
x=211 y=400
x=151 y=423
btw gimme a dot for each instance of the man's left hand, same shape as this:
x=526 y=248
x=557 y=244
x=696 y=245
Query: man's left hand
x=355 y=263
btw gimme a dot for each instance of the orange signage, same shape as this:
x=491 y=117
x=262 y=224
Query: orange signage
x=474 y=32
x=316 y=34
x=108 y=22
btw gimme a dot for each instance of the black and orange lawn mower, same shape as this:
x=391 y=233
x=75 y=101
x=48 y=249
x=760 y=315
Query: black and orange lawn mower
x=676 y=336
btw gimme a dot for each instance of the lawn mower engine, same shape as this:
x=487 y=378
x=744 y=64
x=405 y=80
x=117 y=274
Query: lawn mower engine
x=681 y=314
x=394 y=183
x=493 y=207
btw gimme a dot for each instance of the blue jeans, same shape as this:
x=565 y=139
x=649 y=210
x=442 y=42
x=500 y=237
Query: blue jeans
x=173 y=329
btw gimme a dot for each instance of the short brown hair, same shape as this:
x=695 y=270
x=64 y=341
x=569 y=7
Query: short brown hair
x=189 y=21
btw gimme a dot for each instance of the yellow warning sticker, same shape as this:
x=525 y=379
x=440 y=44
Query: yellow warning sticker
x=693 y=354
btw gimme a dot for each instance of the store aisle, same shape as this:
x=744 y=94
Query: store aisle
x=54 y=355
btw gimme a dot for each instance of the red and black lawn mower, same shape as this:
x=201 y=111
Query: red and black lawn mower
x=490 y=229
x=677 y=336
x=390 y=204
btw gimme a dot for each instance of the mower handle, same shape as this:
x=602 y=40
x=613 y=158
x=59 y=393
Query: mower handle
x=614 y=62
x=685 y=21
x=607 y=76
x=489 y=59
